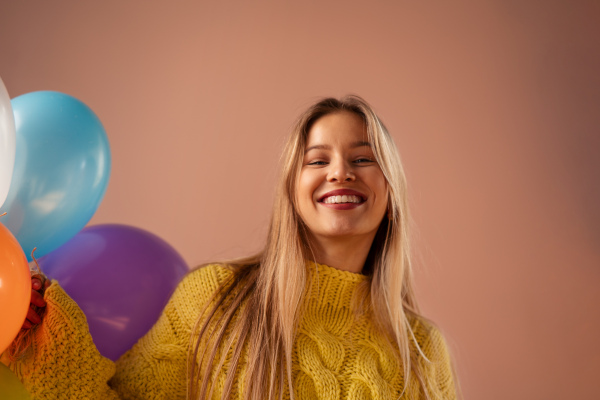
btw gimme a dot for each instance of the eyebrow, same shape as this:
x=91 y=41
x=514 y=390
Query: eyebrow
x=327 y=147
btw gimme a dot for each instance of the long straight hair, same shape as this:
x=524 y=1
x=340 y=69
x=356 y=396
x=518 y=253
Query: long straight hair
x=271 y=284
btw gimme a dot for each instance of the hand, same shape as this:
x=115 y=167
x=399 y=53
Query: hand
x=37 y=302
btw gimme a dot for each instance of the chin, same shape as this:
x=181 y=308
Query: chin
x=341 y=230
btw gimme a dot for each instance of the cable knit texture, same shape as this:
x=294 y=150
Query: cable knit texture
x=338 y=353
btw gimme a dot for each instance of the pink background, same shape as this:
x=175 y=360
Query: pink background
x=493 y=104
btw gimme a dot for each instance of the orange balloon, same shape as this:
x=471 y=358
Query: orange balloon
x=15 y=287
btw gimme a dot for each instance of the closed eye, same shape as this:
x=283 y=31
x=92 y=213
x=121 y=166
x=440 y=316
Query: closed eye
x=363 y=160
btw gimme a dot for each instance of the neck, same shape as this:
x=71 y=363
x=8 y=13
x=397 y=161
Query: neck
x=346 y=254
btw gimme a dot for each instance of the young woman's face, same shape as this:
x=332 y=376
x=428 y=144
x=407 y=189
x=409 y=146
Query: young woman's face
x=341 y=191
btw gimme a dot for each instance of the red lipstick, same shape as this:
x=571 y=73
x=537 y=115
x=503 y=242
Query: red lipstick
x=341 y=192
x=342 y=206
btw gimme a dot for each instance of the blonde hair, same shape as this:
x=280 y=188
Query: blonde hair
x=272 y=283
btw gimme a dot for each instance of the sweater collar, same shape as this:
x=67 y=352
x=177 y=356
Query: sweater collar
x=334 y=273
x=332 y=286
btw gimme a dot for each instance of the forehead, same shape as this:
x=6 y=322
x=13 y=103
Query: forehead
x=337 y=128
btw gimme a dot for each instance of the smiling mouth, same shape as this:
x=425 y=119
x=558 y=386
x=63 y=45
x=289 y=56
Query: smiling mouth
x=344 y=196
x=343 y=199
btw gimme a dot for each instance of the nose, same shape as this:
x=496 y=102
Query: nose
x=340 y=171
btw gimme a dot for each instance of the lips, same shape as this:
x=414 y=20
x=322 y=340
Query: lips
x=351 y=196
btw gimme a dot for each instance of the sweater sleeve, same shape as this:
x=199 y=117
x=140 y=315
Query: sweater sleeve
x=440 y=369
x=63 y=362
x=156 y=366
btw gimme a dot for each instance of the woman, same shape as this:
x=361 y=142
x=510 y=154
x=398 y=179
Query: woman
x=326 y=310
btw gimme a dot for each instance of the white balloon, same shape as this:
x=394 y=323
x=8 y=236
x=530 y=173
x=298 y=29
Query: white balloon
x=7 y=142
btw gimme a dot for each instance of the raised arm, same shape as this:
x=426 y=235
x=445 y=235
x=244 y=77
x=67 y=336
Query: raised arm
x=62 y=361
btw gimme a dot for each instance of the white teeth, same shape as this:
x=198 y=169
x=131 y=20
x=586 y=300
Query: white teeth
x=342 y=199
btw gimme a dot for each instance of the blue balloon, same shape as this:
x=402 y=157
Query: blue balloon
x=62 y=166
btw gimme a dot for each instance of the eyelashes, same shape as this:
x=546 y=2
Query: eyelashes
x=358 y=161
x=364 y=160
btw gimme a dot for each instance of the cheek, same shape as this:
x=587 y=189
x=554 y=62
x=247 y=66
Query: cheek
x=305 y=186
x=381 y=191
x=378 y=183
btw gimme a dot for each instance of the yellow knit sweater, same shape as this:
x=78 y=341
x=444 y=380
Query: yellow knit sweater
x=338 y=353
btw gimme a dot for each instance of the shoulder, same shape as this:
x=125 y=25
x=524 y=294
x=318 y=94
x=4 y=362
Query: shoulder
x=205 y=277
x=428 y=335
x=204 y=280
x=430 y=339
x=197 y=288
x=438 y=365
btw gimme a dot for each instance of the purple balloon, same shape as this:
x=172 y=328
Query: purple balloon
x=121 y=277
